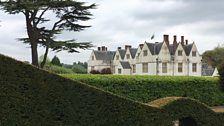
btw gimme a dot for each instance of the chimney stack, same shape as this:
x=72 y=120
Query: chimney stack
x=166 y=39
x=141 y=45
x=186 y=42
x=103 y=48
x=174 y=43
x=127 y=46
x=99 y=48
x=182 y=40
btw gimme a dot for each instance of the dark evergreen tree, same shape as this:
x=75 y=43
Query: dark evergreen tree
x=56 y=61
x=67 y=16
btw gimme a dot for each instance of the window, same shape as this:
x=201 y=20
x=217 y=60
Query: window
x=128 y=56
x=117 y=57
x=92 y=67
x=194 y=67
x=145 y=67
x=194 y=53
x=134 y=68
x=145 y=53
x=179 y=52
x=92 y=57
x=119 y=71
x=180 y=67
x=164 y=67
x=138 y=54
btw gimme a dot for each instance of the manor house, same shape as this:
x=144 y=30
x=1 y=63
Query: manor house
x=159 y=58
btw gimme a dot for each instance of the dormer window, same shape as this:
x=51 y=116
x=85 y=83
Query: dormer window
x=180 y=52
x=145 y=53
x=128 y=56
x=194 y=53
x=117 y=57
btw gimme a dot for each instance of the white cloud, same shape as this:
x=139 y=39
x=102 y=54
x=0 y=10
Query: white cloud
x=117 y=23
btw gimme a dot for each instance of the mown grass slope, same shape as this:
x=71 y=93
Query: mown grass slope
x=149 y=88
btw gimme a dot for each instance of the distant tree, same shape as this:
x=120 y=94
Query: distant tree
x=79 y=69
x=41 y=58
x=221 y=76
x=214 y=57
x=56 y=61
x=85 y=65
x=42 y=29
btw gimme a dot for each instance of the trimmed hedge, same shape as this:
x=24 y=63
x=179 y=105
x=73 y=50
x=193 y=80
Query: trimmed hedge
x=149 y=88
x=180 y=108
x=33 y=97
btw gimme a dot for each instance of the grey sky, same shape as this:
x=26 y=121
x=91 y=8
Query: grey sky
x=120 y=22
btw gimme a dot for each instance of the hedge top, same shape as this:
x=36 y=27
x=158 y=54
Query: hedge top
x=30 y=96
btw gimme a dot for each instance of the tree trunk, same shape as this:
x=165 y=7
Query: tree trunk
x=45 y=56
x=34 y=54
x=33 y=37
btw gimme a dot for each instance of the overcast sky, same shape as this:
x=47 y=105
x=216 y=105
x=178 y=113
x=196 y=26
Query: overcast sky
x=129 y=22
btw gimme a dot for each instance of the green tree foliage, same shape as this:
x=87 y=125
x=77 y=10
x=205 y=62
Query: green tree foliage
x=221 y=76
x=41 y=58
x=65 y=16
x=214 y=57
x=79 y=69
x=56 y=61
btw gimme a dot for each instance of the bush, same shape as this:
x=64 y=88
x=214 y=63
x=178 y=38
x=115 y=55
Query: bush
x=149 y=88
x=94 y=72
x=79 y=69
x=106 y=71
x=57 y=69
x=221 y=76
x=30 y=96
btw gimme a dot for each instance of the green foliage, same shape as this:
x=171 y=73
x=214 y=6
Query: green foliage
x=58 y=69
x=149 y=88
x=214 y=57
x=221 y=76
x=79 y=69
x=32 y=97
x=48 y=61
x=186 y=109
x=56 y=61
x=84 y=64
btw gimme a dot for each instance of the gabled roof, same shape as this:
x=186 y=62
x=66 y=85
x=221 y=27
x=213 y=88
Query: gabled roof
x=133 y=52
x=188 y=48
x=155 y=47
x=122 y=53
x=125 y=65
x=171 y=49
x=104 y=55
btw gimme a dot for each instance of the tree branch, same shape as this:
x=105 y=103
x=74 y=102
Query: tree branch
x=41 y=15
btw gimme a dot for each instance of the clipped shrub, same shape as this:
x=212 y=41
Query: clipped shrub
x=149 y=88
x=94 y=72
x=221 y=76
x=106 y=71
x=32 y=97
